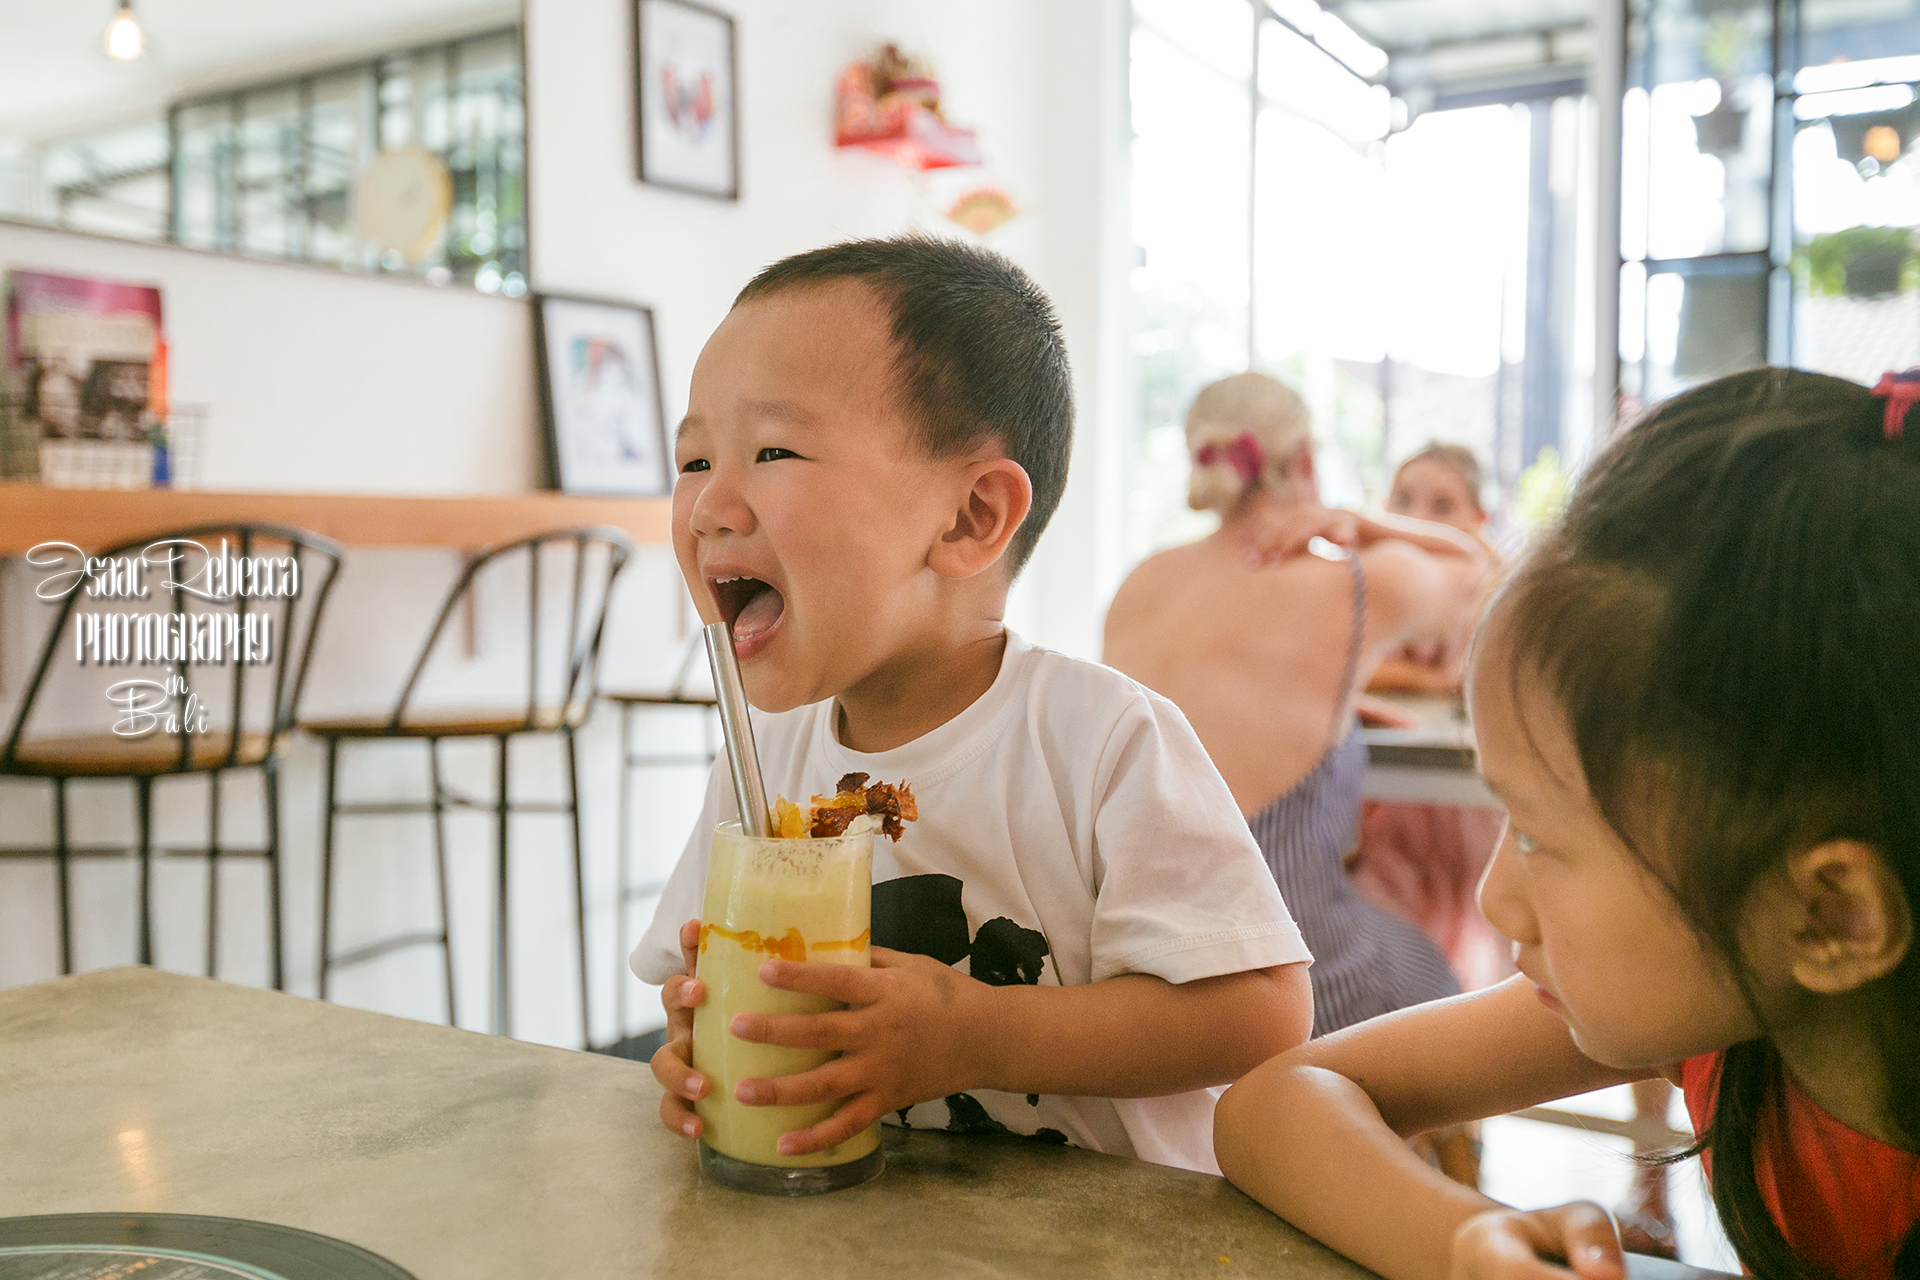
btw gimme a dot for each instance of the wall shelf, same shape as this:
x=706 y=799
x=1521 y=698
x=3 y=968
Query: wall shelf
x=98 y=518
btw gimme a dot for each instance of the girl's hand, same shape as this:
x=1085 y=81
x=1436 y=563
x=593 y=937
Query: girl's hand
x=913 y=1029
x=1378 y=713
x=673 y=1062
x=1280 y=534
x=1541 y=1245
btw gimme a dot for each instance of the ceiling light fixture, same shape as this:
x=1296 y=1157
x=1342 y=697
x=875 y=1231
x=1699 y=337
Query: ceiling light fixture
x=124 y=40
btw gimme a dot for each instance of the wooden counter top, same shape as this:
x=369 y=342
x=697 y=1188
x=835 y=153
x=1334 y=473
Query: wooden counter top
x=98 y=518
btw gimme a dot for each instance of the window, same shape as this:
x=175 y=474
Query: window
x=1249 y=138
x=1413 y=278
x=270 y=170
x=1770 y=190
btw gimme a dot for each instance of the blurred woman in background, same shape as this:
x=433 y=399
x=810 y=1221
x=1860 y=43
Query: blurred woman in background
x=1267 y=660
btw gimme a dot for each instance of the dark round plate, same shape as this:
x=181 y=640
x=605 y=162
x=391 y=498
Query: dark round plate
x=84 y=1246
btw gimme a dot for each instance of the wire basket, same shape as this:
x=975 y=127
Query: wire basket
x=167 y=458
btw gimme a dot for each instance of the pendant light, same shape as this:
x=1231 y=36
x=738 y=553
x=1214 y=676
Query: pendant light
x=124 y=40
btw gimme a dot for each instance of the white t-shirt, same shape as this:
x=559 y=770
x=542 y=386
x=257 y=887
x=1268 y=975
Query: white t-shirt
x=1071 y=829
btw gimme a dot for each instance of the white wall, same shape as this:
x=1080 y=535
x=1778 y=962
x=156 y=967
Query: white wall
x=327 y=382
x=1044 y=84
x=321 y=381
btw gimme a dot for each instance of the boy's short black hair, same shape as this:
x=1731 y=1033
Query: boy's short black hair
x=979 y=352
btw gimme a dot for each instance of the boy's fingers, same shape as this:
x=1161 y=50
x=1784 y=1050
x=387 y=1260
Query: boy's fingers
x=673 y=1069
x=860 y=1111
x=849 y=984
x=826 y=1083
x=798 y=1030
x=690 y=943
x=678 y=1117
x=683 y=993
x=676 y=1077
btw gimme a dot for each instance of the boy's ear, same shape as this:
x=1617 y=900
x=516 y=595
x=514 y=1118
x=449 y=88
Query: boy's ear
x=996 y=500
x=1853 y=921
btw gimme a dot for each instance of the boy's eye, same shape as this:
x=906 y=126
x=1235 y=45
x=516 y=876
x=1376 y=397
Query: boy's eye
x=1524 y=842
x=695 y=464
x=772 y=454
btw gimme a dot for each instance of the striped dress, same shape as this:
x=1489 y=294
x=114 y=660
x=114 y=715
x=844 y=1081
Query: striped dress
x=1366 y=961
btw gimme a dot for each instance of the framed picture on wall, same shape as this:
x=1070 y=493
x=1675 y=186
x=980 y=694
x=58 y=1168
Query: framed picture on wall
x=600 y=394
x=687 y=132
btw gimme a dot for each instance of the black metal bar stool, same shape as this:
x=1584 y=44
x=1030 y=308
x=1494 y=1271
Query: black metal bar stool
x=633 y=703
x=245 y=621
x=578 y=567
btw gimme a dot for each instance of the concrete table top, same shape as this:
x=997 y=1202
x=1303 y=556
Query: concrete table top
x=458 y=1155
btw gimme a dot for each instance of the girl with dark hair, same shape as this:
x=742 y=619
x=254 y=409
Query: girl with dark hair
x=1700 y=700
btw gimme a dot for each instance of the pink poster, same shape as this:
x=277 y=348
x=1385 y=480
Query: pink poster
x=80 y=352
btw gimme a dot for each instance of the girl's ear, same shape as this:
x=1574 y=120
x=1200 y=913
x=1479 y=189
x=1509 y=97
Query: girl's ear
x=1854 y=923
x=991 y=510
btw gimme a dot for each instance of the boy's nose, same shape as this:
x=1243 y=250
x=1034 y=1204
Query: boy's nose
x=719 y=507
x=1503 y=898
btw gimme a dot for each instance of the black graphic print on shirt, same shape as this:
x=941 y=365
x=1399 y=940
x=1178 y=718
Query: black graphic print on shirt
x=923 y=914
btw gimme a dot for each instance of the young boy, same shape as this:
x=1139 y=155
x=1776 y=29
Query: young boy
x=1078 y=937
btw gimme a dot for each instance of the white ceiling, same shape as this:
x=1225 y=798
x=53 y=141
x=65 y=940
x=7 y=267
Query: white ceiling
x=1415 y=24
x=55 y=75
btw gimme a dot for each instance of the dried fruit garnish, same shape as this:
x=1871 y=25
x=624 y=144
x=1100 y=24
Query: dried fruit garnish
x=895 y=806
x=789 y=819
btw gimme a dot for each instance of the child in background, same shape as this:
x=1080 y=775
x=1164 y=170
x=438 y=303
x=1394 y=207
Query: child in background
x=1440 y=483
x=1423 y=861
x=1700 y=700
x=875 y=436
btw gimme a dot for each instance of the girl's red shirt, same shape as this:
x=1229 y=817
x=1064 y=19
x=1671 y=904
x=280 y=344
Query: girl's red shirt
x=1842 y=1199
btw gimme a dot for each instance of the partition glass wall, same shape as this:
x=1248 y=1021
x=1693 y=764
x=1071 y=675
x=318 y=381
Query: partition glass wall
x=1415 y=277
x=1770 y=190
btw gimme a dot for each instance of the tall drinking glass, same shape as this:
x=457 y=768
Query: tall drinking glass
x=807 y=900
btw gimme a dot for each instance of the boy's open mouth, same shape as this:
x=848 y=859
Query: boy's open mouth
x=749 y=606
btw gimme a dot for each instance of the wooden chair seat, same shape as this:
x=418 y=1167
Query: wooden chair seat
x=655 y=698
x=254 y=705
x=106 y=755
x=577 y=568
x=465 y=722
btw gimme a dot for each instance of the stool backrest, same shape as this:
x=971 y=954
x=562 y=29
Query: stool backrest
x=202 y=635
x=561 y=581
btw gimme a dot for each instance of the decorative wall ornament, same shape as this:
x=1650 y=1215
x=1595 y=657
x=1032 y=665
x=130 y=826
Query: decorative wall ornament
x=401 y=200
x=890 y=104
x=600 y=392
x=687 y=126
x=982 y=209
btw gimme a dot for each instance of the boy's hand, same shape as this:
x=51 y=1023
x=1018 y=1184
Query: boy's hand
x=673 y=1062
x=1511 y=1245
x=913 y=1029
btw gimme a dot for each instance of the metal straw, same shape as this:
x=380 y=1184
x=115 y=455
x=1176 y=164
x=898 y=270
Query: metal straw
x=742 y=760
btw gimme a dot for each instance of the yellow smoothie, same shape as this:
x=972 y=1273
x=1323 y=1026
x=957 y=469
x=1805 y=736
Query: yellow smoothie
x=808 y=900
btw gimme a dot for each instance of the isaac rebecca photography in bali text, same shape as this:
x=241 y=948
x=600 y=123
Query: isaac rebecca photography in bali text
x=187 y=572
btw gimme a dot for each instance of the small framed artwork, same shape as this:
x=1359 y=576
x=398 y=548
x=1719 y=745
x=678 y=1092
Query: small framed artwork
x=687 y=132
x=600 y=394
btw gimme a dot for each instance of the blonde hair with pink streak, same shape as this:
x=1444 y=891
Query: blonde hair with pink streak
x=1242 y=431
